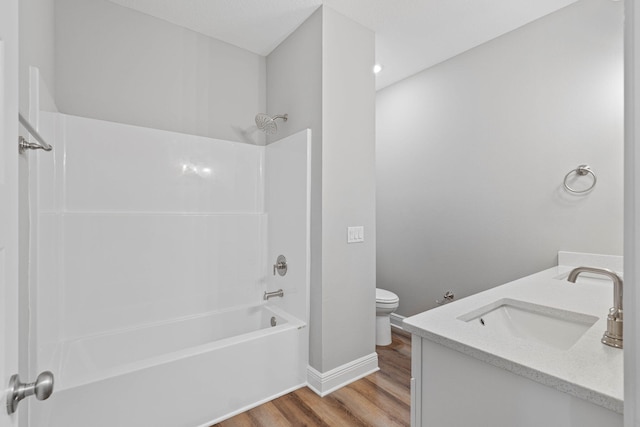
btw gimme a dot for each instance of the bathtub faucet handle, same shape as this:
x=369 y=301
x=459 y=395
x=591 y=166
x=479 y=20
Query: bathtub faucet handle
x=280 y=266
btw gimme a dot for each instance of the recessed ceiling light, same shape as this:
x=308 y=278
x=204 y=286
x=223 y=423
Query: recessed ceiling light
x=377 y=68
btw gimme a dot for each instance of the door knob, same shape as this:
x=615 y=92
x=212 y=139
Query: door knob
x=42 y=389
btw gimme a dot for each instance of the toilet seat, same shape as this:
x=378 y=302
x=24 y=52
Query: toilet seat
x=386 y=303
x=384 y=297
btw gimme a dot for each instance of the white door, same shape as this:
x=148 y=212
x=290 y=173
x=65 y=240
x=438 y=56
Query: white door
x=8 y=202
x=632 y=215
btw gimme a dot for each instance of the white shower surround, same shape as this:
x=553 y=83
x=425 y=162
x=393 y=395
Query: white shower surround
x=141 y=230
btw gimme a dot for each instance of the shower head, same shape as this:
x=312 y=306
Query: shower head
x=267 y=124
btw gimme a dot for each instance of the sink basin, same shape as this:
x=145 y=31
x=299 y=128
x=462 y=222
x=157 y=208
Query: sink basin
x=539 y=324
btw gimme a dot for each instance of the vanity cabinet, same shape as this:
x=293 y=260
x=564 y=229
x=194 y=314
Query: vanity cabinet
x=524 y=354
x=452 y=389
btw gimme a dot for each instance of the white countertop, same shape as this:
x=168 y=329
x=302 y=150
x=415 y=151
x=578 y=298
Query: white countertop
x=589 y=369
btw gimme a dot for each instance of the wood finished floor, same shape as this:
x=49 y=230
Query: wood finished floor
x=381 y=399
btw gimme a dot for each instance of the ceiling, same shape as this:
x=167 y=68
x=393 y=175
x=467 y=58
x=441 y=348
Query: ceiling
x=411 y=35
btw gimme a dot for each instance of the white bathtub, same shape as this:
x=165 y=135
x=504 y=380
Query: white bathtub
x=191 y=372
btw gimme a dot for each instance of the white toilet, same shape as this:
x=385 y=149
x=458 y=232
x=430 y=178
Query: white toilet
x=386 y=303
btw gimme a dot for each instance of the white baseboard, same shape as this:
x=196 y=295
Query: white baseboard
x=396 y=321
x=251 y=406
x=324 y=383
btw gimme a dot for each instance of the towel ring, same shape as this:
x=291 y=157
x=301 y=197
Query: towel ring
x=581 y=170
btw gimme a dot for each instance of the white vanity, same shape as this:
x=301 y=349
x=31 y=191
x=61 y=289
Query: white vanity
x=524 y=354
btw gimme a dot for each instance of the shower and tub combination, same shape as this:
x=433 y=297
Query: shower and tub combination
x=151 y=255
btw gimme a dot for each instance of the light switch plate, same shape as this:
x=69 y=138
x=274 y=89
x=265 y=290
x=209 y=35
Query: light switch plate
x=355 y=234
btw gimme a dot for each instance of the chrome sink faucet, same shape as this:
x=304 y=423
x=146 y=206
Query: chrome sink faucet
x=613 y=335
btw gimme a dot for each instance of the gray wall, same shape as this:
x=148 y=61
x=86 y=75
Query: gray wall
x=321 y=76
x=116 y=64
x=348 y=190
x=471 y=155
x=294 y=86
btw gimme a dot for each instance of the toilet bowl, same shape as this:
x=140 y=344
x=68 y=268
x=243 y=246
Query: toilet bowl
x=386 y=303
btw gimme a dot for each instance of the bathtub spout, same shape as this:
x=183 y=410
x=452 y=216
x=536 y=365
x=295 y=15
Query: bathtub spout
x=278 y=293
